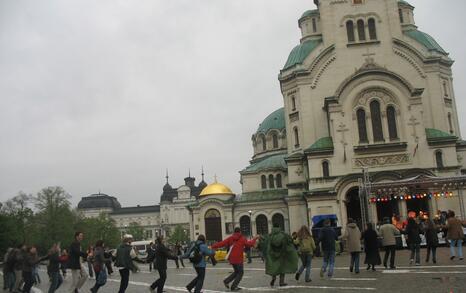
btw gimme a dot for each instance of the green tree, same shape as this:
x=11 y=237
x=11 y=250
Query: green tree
x=136 y=230
x=54 y=218
x=100 y=228
x=19 y=209
x=179 y=235
x=8 y=232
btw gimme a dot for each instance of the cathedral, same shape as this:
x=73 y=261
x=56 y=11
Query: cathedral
x=368 y=129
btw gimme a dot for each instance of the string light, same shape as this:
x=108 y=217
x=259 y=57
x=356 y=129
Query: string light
x=387 y=198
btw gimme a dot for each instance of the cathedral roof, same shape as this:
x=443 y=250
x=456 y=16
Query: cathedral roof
x=425 y=40
x=310 y=13
x=216 y=189
x=300 y=52
x=99 y=200
x=276 y=120
x=322 y=144
x=404 y=2
x=137 y=209
x=274 y=162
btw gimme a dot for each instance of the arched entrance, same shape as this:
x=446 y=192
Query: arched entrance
x=262 y=225
x=278 y=219
x=245 y=225
x=353 y=206
x=213 y=225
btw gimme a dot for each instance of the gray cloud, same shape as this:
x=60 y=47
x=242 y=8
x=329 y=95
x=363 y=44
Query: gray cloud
x=104 y=95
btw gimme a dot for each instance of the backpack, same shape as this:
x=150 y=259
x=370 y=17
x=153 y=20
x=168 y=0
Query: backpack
x=195 y=255
x=306 y=245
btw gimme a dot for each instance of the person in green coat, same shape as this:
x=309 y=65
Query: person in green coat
x=280 y=255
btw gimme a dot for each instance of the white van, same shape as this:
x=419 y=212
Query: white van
x=142 y=248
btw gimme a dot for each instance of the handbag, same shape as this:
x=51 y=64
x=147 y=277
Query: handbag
x=102 y=277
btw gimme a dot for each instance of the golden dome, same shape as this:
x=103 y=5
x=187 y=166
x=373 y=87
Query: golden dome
x=216 y=189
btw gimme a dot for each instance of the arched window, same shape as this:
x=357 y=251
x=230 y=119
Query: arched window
x=325 y=169
x=350 y=31
x=275 y=141
x=263 y=182
x=278 y=178
x=293 y=103
x=262 y=225
x=391 y=119
x=450 y=123
x=264 y=143
x=361 y=30
x=400 y=12
x=376 y=121
x=439 y=159
x=372 y=30
x=271 y=181
x=296 y=137
x=245 y=225
x=314 y=25
x=362 y=129
x=278 y=220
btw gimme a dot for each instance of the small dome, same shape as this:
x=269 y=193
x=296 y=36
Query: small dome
x=216 y=189
x=202 y=184
x=167 y=187
x=276 y=120
x=99 y=201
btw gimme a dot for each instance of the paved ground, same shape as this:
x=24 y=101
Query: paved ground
x=445 y=277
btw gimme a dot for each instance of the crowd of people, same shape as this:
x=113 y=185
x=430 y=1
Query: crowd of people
x=280 y=252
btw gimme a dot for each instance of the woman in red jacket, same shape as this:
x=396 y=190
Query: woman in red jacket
x=237 y=243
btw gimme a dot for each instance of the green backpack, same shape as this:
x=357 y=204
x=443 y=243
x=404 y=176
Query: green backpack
x=305 y=245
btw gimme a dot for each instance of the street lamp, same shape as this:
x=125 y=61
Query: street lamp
x=250 y=223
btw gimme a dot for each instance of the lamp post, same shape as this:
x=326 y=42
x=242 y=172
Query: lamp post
x=250 y=223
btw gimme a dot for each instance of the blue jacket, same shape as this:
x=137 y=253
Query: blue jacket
x=205 y=251
x=327 y=238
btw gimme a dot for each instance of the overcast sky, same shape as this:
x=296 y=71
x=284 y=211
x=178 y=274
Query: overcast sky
x=105 y=95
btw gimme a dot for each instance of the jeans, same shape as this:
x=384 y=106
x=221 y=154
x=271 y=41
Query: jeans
x=415 y=251
x=459 y=245
x=354 y=262
x=434 y=253
x=329 y=261
x=390 y=250
x=124 y=273
x=198 y=282
x=237 y=275
x=55 y=281
x=96 y=285
x=28 y=282
x=306 y=260
x=18 y=279
x=10 y=280
x=78 y=278
x=160 y=281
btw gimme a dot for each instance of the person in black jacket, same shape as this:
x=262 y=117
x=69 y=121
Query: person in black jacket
x=414 y=241
x=327 y=239
x=162 y=254
x=78 y=273
x=124 y=261
x=431 y=234
x=29 y=261
x=371 y=247
x=54 y=268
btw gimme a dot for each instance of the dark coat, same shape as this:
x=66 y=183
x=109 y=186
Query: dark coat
x=54 y=262
x=74 y=262
x=279 y=253
x=162 y=255
x=327 y=238
x=432 y=237
x=123 y=257
x=413 y=231
x=371 y=247
x=29 y=261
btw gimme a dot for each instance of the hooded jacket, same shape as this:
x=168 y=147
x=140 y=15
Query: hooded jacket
x=237 y=243
x=353 y=237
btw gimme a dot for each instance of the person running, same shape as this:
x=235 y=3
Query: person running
x=280 y=255
x=237 y=244
x=90 y=260
x=29 y=261
x=414 y=241
x=178 y=252
x=162 y=254
x=151 y=255
x=306 y=247
x=353 y=239
x=371 y=247
x=99 y=266
x=455 y=235
x=197 y=254
x=124 y=261
x=388 y=232
x=108 y=260
x=327 y=239
x=64 y=258
x=53 y=268
x=9 y=270
x=432 y=241
x=18 y=259
x=78 y=273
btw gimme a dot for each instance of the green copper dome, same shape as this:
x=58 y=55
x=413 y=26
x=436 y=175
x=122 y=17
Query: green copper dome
x=309 y=13
x=275 y=162
x=425 y=40
x=276 y=120
x=300 y=53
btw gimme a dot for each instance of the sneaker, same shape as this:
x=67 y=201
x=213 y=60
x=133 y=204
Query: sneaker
x=226 y=285
x=351 y=269
x=283 y=285
x=151 y=290
x=418 y=264
x=189 y=290
x=452 y=257
x=308 y=280
x=461 y=258
x=411 y=261
x=236 y=289
x=297 y=276
x=392 y=268
x=330 y=276
x=434 y=261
